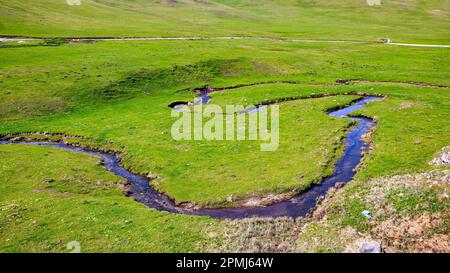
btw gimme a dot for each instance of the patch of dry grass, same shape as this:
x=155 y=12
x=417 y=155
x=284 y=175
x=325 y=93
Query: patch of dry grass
x=258 y=235
x=410 y=213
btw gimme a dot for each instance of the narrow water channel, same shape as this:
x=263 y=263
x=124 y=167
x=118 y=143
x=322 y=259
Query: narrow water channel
x=297 y=206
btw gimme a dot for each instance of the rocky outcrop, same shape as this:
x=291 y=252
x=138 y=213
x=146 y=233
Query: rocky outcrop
x=443 y=158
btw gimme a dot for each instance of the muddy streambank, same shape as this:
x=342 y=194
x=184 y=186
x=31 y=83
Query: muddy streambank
x=299 y=205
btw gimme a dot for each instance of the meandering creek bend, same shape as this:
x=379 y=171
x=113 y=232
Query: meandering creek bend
x=299 y=205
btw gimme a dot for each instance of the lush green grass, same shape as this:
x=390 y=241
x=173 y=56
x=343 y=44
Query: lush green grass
x=52 y=197
x=127 y=106
x=411 y=121
x=400 y=20
x=78 y=74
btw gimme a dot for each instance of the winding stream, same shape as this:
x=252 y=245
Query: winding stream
x=299 y=205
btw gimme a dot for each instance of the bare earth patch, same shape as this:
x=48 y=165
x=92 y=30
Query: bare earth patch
x=443 y=157
x=408 y=213
x=256 y=235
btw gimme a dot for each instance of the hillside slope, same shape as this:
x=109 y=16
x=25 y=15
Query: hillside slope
x=400 y=20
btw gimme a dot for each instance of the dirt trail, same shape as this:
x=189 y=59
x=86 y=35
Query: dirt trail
x=192 y=38
x=419 y=45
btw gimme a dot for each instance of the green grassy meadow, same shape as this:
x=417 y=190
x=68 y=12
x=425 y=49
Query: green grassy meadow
x=399 y=20
x=116 y=95
x=42 y=216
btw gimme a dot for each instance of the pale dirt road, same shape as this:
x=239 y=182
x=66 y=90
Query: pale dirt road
x=193 y=38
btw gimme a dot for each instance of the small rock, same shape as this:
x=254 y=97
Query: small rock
x=230 y=198
x=370 y=247
x=443 y=158
x=128 y=193
x=151 y=176
x=367 y=214
x=364 y=245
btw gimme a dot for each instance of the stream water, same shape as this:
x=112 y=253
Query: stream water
x=299 y=205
